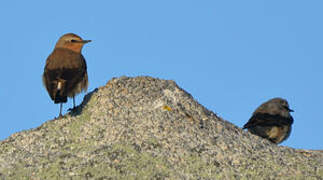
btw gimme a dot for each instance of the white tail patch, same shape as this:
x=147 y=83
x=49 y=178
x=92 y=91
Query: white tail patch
x=59 y=85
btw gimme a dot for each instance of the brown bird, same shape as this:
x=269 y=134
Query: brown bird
x=271 y=120
x=65 y=72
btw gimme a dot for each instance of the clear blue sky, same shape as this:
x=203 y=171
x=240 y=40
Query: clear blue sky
x=230 y=55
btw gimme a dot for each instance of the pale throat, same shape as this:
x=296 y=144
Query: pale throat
x=74 y=47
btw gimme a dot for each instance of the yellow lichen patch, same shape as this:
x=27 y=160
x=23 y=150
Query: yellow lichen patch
x=167 y=108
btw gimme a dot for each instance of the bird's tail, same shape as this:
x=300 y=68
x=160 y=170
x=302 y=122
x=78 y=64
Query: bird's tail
x=60 y=96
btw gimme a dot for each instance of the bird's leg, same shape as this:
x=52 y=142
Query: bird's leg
x=74 y=108
x=74 y=102
x=60 y=110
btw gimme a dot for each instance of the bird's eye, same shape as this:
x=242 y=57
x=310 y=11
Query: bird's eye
x=73 y=40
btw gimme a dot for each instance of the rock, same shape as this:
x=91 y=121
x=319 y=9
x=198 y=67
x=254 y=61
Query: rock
x=147 y=128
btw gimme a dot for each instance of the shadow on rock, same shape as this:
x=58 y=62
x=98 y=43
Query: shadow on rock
x=79 y=109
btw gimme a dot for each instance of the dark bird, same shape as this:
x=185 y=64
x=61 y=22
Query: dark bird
x=271 y=120
x=65 y=72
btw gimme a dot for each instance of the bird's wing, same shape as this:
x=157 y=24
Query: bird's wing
x=77 y=74
x=64 y=65
x=265 y=119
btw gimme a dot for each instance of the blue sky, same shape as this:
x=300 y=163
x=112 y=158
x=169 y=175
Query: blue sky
x=230 y=55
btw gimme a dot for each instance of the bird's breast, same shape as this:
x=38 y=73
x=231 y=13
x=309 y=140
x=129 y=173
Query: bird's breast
x=65 y=59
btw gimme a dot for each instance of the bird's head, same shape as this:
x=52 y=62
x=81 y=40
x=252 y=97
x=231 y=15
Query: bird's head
x=284 y=105
x=276 y=106
x=71 y=41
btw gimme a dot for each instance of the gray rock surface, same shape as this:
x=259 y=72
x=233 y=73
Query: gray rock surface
x=147 y=128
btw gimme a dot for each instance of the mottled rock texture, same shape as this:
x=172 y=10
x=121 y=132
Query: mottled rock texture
x=147 y=128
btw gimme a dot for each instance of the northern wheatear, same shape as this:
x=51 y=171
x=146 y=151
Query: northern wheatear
x=271 y=120
x=65 y=73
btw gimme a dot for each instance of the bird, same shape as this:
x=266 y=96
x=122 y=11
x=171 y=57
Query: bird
x=271 y=120
x=65 y=73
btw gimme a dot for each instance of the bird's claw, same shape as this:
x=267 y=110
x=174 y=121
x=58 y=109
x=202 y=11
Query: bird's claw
x=72 y=109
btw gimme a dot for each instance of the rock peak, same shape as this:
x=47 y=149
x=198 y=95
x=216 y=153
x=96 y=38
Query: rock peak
x=150 y=129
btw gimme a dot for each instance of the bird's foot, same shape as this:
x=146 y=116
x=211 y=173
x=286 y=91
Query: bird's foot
x=73 y=110
x=58 y=117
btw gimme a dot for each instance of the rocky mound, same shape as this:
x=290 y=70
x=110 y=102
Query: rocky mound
x=147 y=128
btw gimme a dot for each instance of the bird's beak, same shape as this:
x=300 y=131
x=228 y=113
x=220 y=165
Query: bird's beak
x=86 y=41
x=287 y=108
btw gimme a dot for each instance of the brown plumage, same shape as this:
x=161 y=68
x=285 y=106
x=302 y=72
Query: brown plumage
x=271 y=120
x=65 y=73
